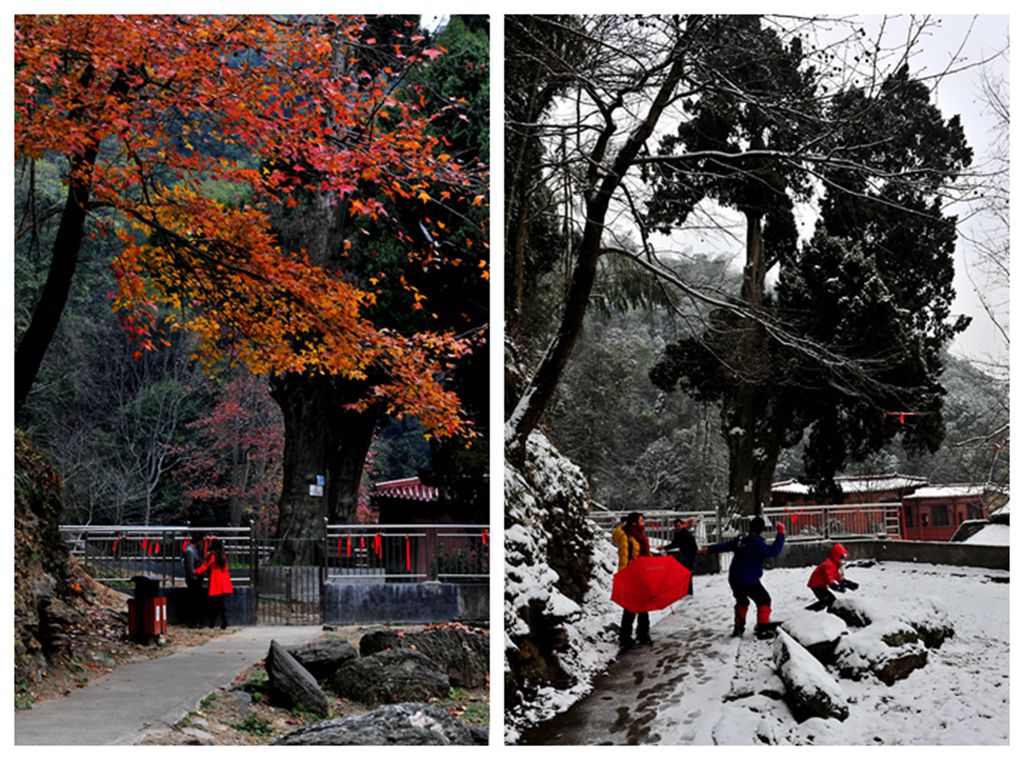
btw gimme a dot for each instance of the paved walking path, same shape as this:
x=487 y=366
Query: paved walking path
x=674 y=692
x=124 y=705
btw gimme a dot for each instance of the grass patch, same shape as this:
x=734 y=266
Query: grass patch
x=255 y=725
x=477 y=714
x=24 y=700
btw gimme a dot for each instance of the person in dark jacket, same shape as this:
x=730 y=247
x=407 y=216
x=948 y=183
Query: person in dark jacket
x=683 y=548
x=193 y=582
x=745 y=571
x=631 y=540
x=828 y=577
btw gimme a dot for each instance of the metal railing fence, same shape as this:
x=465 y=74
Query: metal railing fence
x=448 y=553
x=115 y=553
x=365 y=552
x=810 y=523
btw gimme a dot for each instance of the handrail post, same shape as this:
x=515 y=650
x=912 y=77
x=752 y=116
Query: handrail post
x=323 y=572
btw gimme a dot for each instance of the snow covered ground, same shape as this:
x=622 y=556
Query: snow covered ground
x=699 y=686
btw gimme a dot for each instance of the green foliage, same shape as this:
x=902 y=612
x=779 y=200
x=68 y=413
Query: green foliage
x=255 y=725
x=870 y=293
x=638 y=446
x=749 y=70
x=477 y=714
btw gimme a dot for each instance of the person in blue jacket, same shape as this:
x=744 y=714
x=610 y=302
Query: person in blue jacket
x=749 y=553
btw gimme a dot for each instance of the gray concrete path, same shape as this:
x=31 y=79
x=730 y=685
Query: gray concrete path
x=124 y=705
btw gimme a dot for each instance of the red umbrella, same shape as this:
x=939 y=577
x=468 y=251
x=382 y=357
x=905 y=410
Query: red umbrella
x=650 y=583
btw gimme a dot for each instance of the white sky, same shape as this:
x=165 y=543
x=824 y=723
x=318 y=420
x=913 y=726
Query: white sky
x=960 y=93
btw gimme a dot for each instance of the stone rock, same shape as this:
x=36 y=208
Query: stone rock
x=291 y=684
x=810 y=691
x=566 y=558
x=925 y=614
x=240 y=702
x=407 y=724
x=853 y=611
x=198 y=737
x=868 y=651
x=817 y=633
x=900 y=666
x=402 y=675
x=461 y=654
x=323 y=658
x=929 y=618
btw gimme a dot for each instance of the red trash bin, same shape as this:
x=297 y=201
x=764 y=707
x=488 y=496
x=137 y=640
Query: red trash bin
x=147 y=612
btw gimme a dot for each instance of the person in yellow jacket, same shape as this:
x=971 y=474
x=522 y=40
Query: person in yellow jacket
x=631 y=539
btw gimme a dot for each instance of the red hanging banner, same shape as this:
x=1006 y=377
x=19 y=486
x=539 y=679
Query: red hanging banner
x=485 y=536
x=348 y=545
x=408 y=556
x=113 y=548
x=378 y=547
x=184 y=545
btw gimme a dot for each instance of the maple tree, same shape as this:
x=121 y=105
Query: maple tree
x=238 y=161
x=235 y=458
x=153 y=111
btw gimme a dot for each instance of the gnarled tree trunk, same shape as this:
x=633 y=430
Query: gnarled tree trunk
x=322 y=437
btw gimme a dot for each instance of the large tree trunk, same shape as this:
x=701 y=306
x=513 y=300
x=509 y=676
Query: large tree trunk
x=322 y=437
x=747 y=422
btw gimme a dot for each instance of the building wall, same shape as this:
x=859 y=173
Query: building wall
x=923 y=518
x=346 y=604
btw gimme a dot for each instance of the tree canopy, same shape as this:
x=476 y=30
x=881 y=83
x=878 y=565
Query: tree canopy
x=181 y=133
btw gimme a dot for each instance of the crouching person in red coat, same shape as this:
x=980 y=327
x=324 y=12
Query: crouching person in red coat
x=220 y=581
x=828 y=577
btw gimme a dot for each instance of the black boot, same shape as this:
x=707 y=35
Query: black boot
x=737 y=630
x=765 y=630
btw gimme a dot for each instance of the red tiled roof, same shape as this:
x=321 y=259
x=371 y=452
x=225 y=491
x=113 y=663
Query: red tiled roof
x=858 y=484
x=405 y=488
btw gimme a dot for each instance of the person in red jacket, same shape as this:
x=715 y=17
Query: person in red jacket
x=828 y=577
x=220 y=581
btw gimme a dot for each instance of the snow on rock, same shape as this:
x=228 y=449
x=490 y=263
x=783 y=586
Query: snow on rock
x=558 y=611
x=928 y=616
x=888 y=649
x=925 y=614
x=810 y=690
x=817 y=632
x=859 y=611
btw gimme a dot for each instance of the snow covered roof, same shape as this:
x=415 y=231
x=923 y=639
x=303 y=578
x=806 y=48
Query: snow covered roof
x=857 y=484
x=405 y=488
x=991 y=535
x=1003 y=510
x=954 y=491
